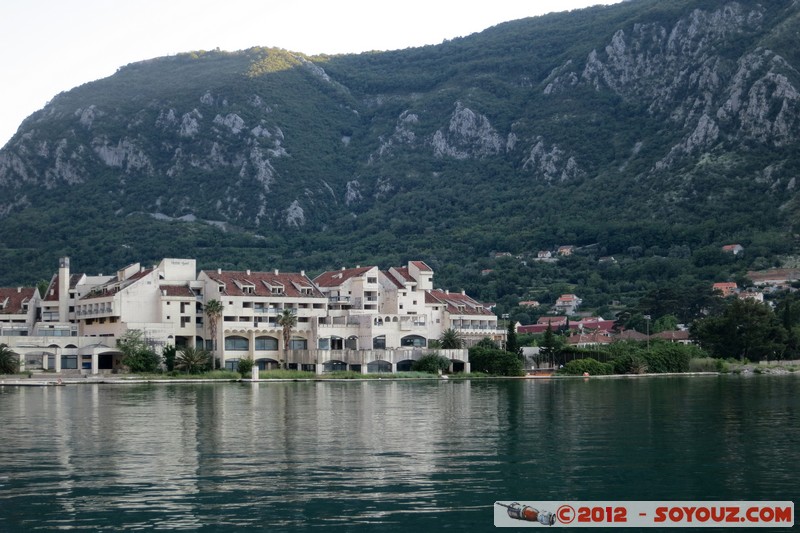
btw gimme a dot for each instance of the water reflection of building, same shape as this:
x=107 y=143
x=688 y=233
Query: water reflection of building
x=359 y=319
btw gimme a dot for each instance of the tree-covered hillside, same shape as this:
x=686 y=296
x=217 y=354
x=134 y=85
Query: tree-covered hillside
x=653 y=132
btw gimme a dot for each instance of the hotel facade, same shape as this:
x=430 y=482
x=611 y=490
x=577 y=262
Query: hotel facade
x=362 y=319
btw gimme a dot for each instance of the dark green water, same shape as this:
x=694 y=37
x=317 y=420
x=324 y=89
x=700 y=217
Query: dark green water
x=384 y=456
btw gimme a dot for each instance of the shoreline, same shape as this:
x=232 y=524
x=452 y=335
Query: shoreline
x=58 y=381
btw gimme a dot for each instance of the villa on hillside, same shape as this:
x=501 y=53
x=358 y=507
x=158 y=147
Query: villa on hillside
x=726 y=288
x=567 y=304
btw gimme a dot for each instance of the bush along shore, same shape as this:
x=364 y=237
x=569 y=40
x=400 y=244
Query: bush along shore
x=486 y=360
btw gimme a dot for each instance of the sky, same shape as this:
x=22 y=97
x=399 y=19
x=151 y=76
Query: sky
x=51 y=46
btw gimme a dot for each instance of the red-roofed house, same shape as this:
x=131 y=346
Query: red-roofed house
x=679 y=336
x=582 y=340
x=734 y=249
x=726 y=288
x=567 y=304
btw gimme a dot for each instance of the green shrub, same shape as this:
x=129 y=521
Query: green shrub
x=431 y=363
x=666 y=357
x=706 y=364
x=588 y=365
x=245 y=366
x=629 y=363
x=495 y=362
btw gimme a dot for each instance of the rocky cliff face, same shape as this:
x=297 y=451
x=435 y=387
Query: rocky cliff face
x=272 y=140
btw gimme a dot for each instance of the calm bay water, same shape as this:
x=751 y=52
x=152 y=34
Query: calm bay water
x=384 y=455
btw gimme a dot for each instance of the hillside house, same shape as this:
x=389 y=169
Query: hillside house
x=725 y=288
x=567 y=304
x=566 y=250
x=734 y=249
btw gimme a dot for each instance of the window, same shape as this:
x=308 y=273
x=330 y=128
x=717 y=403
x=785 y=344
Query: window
x=298 y=344
x=266 y=343
x=413 y=340
x=236 y=344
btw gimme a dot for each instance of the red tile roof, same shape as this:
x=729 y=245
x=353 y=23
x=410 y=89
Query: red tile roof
x=457 y=303
x=262 y=283
x=631 y=335
x=589 y=338
x=73 y=281
x=177 y=290
x=11 y=299
x=674 y=336
x=405 y=274
x=422 y=266
x=335 y=278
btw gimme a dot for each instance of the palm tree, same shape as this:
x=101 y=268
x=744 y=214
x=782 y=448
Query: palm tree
x=450 y=339
x=192 y=360
x=9 y=362
x=213 y=311
x=287 y=320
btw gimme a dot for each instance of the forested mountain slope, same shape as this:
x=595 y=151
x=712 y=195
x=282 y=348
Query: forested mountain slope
x=641 y=130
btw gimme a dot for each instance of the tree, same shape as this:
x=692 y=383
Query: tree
x=168 y=353
x=245 y=366
x=549 y=346
x=213 y=311
x=512 y=345
x=450 y=339
x=431 y=363
x=136 y=354
x=193 y=360
x=665 y=323
x=495 y=362
x=287 y=320
x=746 y=329
x=486 y=342
x=9 y=361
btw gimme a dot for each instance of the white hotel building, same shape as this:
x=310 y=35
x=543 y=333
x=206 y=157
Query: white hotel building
x=362 y=319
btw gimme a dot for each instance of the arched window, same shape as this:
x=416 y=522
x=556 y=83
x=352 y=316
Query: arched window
x=236 y=344
x=379 y=342
x=298 y=343
x=414 y=341
x=266 y=343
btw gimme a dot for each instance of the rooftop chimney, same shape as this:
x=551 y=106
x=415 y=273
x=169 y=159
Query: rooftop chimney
x=219 y=271
x=276 y=271
x=248 y=271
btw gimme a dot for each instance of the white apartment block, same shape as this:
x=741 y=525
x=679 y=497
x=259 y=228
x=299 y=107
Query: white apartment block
x=363 y=319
